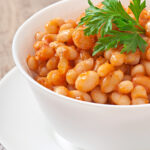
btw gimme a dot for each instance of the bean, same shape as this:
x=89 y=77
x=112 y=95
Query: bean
x=87 y=81
x=80 y=95
x=147 y=27
x=61 y=90
x=142 y=80
x=98 y=96
x=71 y=76
x=120 y=99
x=65 y=35
x=147 y=67
x=69 y=53
x=117 y=59
x=38 y=36
x=110 y=82
x=49 y=38
x=85 y=65
x=43 y=81
x=99 y=61
x=32 y=63
x=45 y=53
x=52 y=63
x=138 y=70
x=138 y=101
x=56 y=78
x=139 y=92
x=63 y=65
x=125 y=87
x=132 y=58
x=66 y=26
x=51 y=27
x=105 y=69
x=82 y=41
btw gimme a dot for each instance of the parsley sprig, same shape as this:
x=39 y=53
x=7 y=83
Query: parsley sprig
x=129 y=30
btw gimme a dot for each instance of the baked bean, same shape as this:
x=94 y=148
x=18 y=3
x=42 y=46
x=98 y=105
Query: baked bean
x=105 y=69
x=125 y=87
x=42 y=71
x=45 y=53
x=72 y=22
x=44 y=81
x=147 y=27
x=98 y=96
x=61 y=90
x=87 y=81
x=142 y=80
x=32 y=63
x=99 y=61
x=139 y=92
x=52 y=63
x=71 y=76
x=49 y=38
x=110 y=82
x=51 y=27
x=138 y=70
x=38 y=44
x=80 y=95
x=38 y=36
x=85 y=65
x=63 y=65
x=56 y=44
x=120 y=99
x=82 y=41
x=58 y=21
x=69 y=53
x=144 y=17
x=72 y=53
x=147 y=67
x=56 y=78
x=117 y=59
x=138 y=101
x=65 y=35
x=66 y=26
x=132 y=58
x=108 y=54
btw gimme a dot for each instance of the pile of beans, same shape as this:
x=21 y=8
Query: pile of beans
x=63 y=62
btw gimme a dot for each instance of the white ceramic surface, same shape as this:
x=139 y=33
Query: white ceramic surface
x=22 y=125
x=86 y=125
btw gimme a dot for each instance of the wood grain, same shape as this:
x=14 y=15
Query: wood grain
x=13 y=14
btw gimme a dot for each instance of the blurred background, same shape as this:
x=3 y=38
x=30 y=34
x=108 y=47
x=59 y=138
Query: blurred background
x=12 y=14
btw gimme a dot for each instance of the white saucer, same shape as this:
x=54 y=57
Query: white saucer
x=22 y=125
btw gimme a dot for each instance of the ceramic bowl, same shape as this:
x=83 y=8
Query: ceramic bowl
x=87 y=125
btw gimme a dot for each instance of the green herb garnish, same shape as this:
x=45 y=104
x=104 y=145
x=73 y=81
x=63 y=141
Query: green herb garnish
x=129 y=30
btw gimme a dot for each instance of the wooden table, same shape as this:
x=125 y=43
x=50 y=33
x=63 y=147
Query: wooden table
x=13 y=14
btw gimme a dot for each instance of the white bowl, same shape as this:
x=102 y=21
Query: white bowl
x=86 y=125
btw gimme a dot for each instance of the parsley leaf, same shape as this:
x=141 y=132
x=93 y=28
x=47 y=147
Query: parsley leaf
x=129 y=30
x=136 y=7
x=130 y=41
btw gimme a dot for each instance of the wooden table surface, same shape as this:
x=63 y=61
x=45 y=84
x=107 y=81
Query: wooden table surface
x=12 y=14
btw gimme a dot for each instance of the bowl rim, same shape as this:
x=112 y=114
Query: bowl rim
x=50 y=92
